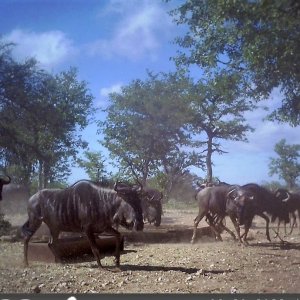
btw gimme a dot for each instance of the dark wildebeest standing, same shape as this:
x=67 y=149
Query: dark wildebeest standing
x=216 y=203
x=82 y=207
x=151 y=200
x=124 y=216
x=3 y=180
x=254 y=199
x=291 y=201
x=152 y=205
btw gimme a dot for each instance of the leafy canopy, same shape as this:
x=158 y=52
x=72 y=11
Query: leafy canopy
x=145 y=122
x=41 y=116
x=259 y=39
x=93 y=164
x=217 y=110
x=287 y=165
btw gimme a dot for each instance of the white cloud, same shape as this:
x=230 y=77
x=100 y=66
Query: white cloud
x=266 y=133
x=139 y=32
x=102 y=102
x=115 y=88
x=48 y=48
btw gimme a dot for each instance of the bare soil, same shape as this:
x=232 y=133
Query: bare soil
x=167 y=265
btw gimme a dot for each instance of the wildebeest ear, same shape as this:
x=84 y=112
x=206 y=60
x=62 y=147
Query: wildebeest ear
x=121 y=187
x=232 y=193
x=288 y=196
x=137 y=188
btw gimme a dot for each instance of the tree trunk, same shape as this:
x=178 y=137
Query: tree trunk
x=209 y=175
x=41 y=175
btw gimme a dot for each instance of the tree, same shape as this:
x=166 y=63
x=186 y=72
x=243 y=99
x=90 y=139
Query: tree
x=40 y=118
x=259 y=39
x=145 y=122
x=218 y=112
x=175 y=168
x=287 y=166
x=93 y=165
x=68 y=106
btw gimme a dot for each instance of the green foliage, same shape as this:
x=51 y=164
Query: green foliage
x=287 y=166
x=259 y=39
x=40 y=118
x=145 y=122
x=176 y=171
x=273 y=185
x=217 y=110
x=93 y=165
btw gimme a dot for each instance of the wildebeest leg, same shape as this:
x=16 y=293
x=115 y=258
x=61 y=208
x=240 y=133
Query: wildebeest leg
x=237 y=228
x=294 y=221
x=196 y=222
x=278 y=226
x=118 y=244
x=247 y=224
x=212 y=222
x=267 y=225
x=91 y=237
x=28 y=230
x=53 y=244
x=244 y=235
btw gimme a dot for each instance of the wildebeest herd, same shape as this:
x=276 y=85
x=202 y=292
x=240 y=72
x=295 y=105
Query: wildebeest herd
x=241 y=204
x=90 y=208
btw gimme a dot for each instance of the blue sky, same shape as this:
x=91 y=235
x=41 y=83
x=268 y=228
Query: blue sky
x=111 y=43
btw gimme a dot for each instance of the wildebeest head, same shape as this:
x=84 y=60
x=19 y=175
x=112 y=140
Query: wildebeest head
x=125 y=216
x=130 y=195
x=3 y=180
x=151 y=204
x=282 y=194
x=239 y=200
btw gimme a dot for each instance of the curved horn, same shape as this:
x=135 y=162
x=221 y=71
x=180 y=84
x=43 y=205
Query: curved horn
x=115 y=185
x=287 y=198
x=6 y=181
x=230 y=192
x=137 y=188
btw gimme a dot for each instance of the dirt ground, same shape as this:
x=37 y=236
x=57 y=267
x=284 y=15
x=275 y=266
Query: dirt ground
x=164 y=265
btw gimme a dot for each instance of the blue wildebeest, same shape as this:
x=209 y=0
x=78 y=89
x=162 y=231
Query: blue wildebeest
x=124 y=216
x=217 y=202
x=83 y=207
x=152 y=205
x=151 y=200
x=253 y=199
x=291 y=201
x=3 y=180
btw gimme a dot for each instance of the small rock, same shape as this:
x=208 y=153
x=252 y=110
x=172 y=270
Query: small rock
x=36 y=289
x=233 y=290
x=200 y=272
